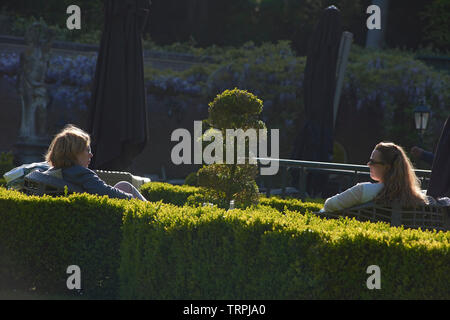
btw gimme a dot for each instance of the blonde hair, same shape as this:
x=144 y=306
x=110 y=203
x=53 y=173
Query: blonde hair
x=66 y=145
x=400 y=181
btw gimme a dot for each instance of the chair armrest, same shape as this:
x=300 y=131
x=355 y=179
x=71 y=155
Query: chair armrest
x=113 y=177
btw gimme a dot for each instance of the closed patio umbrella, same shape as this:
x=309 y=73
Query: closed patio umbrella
x=440 y=171
x=314 y=141
x=118 y=115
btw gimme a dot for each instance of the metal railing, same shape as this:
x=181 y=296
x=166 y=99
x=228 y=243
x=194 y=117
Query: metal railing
x=353 y=170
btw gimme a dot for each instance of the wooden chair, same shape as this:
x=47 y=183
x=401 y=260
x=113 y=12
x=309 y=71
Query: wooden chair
x=436 y=215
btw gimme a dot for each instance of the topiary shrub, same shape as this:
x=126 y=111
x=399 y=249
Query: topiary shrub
x=191 y=179
x=233 y=109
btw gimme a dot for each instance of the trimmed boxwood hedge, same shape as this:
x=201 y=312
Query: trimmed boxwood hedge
x=41 y=236
x=167 y=193
x=147 y=250
x=171 y=252
x=193 y=196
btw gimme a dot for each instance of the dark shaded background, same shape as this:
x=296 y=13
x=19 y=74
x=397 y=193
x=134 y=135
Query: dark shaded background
x=411 y=23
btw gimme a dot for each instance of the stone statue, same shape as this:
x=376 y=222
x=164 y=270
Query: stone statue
x=33 y=67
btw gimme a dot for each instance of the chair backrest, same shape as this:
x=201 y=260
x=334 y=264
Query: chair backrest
x=433 y=216
x=49 y=182
x=112 y=177
x=15 y=177
x=39 y=183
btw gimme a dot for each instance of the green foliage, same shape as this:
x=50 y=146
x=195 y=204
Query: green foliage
x=93 y=37
x=297 y=205
x=191 y=179
x=54 y=14
x=391 y=83
x=6 y=162
x=41 y=236
x=195 y=196
x=183 y=48
x=270 y=71
x=180 y=195
x=437 y=17
x=173 y=252
x=235 y=22
x=235 y=110
x=181 y=25
x=387 y=84
x=61 y=33
x=167 y=193
x=131 y=249
x=226 y=182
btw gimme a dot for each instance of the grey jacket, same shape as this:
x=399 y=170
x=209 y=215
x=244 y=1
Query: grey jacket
x=91 y=183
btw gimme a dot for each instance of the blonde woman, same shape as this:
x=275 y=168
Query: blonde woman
x=395 y=181
x=69 y=156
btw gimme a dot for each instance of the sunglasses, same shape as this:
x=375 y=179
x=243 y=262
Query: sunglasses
x=372 y=162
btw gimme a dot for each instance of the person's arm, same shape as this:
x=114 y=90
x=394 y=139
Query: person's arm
x=91 y=182
x=346 y=199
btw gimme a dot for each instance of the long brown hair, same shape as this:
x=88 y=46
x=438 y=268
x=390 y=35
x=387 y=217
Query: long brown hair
x=66 y=145
x=400 y=181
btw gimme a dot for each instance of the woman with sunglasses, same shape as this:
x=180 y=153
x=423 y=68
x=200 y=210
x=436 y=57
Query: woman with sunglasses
x=395 y=181
x=69 y=156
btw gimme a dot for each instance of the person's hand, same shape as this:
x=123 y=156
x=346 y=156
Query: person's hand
x=416 y=152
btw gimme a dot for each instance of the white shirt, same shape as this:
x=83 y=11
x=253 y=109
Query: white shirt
x=358 y=194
